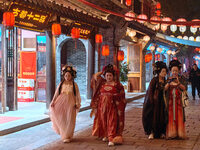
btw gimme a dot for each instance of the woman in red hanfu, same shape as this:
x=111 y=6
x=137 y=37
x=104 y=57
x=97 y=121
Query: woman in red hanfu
x=108 y=104
x=176 y=115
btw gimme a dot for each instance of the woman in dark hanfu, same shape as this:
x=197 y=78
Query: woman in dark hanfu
x=108 y=105
x=153 y=115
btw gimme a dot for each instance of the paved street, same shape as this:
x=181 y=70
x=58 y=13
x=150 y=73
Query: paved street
x=134 y=137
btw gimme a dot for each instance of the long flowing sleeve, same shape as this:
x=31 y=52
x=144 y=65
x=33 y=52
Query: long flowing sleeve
x=147 y=113
x=96 y=84
x=78 y=98
x=120 y=102
x=56 y=93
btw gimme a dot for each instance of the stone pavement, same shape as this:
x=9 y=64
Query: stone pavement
x=133 y=134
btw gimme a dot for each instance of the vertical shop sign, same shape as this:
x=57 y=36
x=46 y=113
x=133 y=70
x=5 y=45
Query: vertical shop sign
x=28 y=65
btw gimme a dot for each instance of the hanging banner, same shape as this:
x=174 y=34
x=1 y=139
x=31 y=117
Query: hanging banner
x=28 y=65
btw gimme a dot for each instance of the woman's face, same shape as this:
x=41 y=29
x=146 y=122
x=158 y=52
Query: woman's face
x=175 y=71
x=109 y=77
x=68 y=76
x=163 y=72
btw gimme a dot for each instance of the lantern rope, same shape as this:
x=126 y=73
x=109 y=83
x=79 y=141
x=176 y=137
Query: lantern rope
x=187 y=23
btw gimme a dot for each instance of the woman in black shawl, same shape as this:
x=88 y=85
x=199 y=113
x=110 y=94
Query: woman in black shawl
x=153 y=115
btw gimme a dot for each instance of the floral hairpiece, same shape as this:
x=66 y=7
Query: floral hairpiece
x=70 y=69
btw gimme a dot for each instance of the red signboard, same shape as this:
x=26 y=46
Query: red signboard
x=28 y=65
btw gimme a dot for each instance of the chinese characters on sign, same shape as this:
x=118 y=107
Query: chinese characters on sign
x=29 y=17
x=84 y=29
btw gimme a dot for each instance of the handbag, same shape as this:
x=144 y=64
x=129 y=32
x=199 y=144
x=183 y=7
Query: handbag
x=185 y=98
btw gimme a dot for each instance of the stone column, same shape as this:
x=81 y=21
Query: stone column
x=15 y=58
x=50 y=67
x=91 y=64
x=143 y=86
x=4 y=94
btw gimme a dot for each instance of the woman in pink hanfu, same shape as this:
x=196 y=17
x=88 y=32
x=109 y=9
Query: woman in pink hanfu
x=176 y=114
x=108 y=105
x=65 y=105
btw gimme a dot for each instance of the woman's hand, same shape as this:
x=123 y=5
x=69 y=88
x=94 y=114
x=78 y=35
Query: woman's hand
x=93 y=112
x=52 y=104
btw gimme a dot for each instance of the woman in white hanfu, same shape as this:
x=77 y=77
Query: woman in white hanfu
x=65 y=105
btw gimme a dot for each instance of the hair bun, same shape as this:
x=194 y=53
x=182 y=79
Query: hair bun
x=175 y=63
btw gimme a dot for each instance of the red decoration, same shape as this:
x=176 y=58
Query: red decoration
x=56 y=29
x=129 y=14
x=8 y=19
x=128 y=2
x=105 y=50
x=154 y=18
x=197 y=49
x=158 y=5
x=120 y=55
x=99 y=38
x=142 y=16
x=157 y=57
x=181 y=20
x=75 y=33
x=148 y=58
x=158 y=12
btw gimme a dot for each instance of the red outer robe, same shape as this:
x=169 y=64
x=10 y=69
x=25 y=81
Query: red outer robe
x=115 y=106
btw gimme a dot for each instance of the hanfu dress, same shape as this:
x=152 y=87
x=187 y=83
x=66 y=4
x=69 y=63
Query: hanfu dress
x=109 y=100
x=154 y=110
x=66 y=106
x=176 y=114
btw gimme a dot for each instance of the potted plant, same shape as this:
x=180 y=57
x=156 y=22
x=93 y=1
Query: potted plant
x=124 y=69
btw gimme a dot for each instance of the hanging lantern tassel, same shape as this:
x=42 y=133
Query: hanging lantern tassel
x=105 y=52
x=75 y=33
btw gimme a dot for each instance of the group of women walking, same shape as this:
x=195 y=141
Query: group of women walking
x=108 y=105
x=163 y=114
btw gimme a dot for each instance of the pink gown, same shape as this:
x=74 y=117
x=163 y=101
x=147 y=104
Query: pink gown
x=63 y=114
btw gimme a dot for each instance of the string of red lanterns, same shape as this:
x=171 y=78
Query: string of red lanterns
x=187 y=23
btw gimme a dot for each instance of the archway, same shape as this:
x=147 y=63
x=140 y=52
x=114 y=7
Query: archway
x=76 y=56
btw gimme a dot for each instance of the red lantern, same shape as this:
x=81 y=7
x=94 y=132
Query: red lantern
x=142 y=16
x=148 y=58
x=129 y=14
x=56 y=29
x=181 y=20
x=158 y=12
x=154 y=18
x=75 y=33
x=128 y=2
x=8 y=19
x=99 y=38
x=157 y=57
x=158 y=5
x=105 y=50
x=120 y=55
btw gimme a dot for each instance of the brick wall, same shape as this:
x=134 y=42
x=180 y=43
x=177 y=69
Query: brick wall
x=77 y=58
